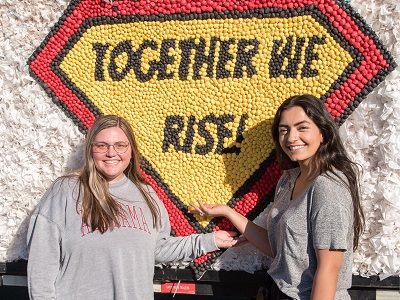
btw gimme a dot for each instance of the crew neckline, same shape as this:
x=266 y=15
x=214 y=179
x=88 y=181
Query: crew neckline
x=119 y=183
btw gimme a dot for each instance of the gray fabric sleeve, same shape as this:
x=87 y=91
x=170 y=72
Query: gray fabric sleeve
x=169 y=248
x=331 y=214
x=44 y=241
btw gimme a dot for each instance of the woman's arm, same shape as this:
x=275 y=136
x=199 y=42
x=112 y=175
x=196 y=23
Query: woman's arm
x=255 y=234
x=176 y=248
x=329 y=263
x=331 y=222
x=44 y=257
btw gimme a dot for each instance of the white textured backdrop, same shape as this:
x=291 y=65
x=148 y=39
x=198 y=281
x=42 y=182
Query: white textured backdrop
x=39 y=143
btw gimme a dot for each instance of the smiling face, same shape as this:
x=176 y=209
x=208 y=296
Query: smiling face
x=299 y=136
x=112 y=164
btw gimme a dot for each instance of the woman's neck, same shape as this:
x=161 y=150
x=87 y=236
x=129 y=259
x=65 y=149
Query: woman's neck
x=307 y=173
x=303 y=181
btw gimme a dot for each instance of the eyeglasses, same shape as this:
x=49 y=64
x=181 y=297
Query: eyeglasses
x=102 y=147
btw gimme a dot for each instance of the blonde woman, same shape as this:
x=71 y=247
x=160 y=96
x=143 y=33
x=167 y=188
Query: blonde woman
x=96 y=234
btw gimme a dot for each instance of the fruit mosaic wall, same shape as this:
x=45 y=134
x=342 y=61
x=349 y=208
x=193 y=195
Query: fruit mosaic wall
x=200 y=82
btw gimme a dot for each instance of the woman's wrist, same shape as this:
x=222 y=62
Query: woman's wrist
x=230 y=213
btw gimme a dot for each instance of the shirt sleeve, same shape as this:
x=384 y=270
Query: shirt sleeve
x=44 y=244
x=331 y=214
x=169 y=248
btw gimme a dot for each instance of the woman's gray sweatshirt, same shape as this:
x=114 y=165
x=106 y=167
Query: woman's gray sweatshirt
x=69 y=261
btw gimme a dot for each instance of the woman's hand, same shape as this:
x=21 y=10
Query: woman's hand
x=227 y=239
x=209 y=210
x=255 y=234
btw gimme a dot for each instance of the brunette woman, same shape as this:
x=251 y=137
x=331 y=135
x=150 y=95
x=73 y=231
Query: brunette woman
x=316 y=218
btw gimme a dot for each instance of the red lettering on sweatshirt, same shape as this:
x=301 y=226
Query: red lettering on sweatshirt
x=124 y=222
x=145 y=227
x=133 y=216
x=128 y=218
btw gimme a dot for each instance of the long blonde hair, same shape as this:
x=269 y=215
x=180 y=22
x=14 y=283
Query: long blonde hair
x=100 y=209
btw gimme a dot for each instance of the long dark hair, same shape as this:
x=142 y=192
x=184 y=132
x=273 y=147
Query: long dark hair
x=330 y=156
x=100 y=209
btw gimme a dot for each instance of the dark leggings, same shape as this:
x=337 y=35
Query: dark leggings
x=270 y=291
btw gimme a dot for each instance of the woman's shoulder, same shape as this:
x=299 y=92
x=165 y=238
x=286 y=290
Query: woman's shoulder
x=147 y=188
x=65 y=183
x=63 y=188
x=334 y=178
x=331 y=188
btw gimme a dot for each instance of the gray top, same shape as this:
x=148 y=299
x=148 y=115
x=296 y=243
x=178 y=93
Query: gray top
x=321 y=217
x=68 y=261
